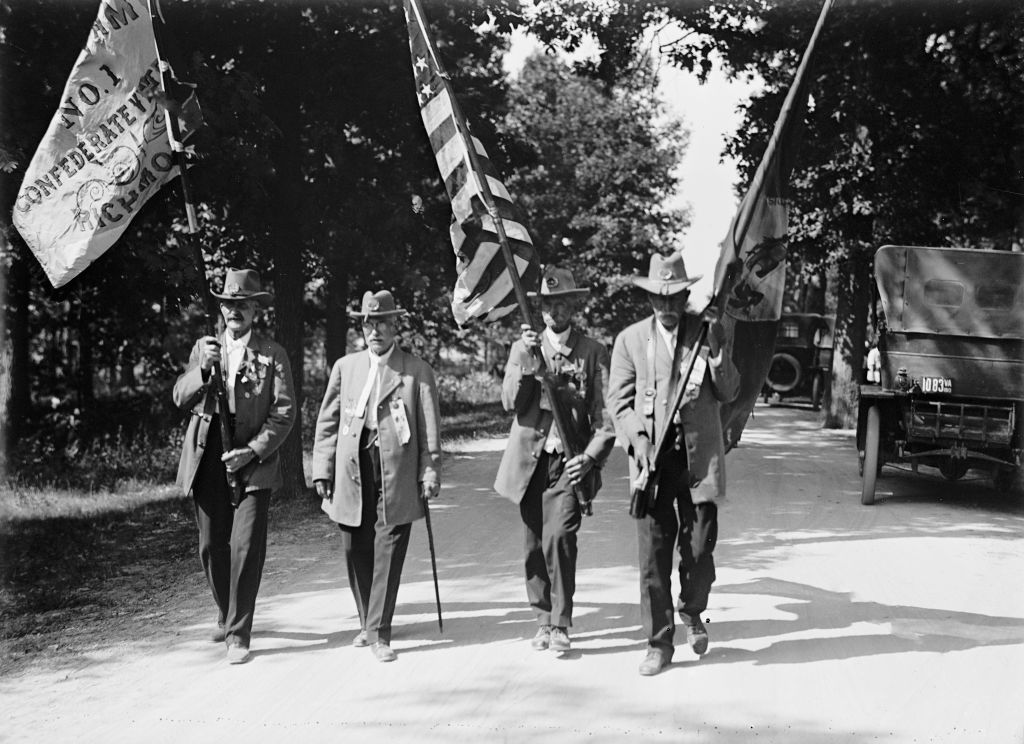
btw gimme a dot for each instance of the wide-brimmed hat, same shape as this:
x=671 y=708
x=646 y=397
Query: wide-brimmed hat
x=244 y=284
x=377 y=305
x=666 y=275
x=558 y=282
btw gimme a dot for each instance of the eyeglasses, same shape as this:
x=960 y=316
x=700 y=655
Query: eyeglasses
x=238 y=304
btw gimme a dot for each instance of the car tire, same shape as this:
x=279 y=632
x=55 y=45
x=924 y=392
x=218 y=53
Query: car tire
x=870 y=466
x=784 y=373
x=817 y=391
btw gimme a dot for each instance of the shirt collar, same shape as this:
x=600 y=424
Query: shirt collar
x=237 y=343
x=558 y=340
x=669 y=336
x=383 y=358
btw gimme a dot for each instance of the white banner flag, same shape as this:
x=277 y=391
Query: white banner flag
x=106 y=151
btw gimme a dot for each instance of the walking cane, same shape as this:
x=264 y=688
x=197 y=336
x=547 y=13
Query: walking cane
x=433 y=563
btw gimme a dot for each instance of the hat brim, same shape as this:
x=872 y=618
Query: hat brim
x=654 y=286
x=378 y=313
x=579 y=292
x=263 y=298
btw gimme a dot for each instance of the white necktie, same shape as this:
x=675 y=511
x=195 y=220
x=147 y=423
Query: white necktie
x=235 y=352
x=371 y=380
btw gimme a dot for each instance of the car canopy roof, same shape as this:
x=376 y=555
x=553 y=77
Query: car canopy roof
x=952 y=291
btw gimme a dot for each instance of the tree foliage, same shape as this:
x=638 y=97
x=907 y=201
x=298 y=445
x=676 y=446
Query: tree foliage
x=313 y=167
x=911 y=136
x=595 y=167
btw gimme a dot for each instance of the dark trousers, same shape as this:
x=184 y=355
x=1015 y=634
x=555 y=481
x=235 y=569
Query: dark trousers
x=374 y=552
x=551 y=515
x=692 y=529
x=232 y=542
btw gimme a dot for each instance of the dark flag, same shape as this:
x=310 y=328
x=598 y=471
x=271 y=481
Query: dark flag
x=755 y=252
x=483 y=288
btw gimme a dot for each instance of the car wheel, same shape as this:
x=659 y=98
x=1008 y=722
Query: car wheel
x=869 y=468
x=784 y=374
x=953 y=469
x=817 y=391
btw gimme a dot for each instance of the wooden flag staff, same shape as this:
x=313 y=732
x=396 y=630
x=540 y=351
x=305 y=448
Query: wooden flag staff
x=203 y=285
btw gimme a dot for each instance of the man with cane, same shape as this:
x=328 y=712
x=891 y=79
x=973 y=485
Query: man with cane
x=377 y=461
x=675 y=497
x=233 y=523
x=553 y=481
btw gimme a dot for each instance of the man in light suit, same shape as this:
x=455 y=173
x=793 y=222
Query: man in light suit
x=645 y=374
x=535 y=471
x=258 y=378
x=376 y=460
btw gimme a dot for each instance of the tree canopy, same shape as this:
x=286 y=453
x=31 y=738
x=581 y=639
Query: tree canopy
x=313 y=166
x=594 y=170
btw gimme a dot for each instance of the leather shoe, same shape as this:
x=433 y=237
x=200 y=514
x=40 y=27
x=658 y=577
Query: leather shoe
x=697 y=636
x=360 y=641
x=657 y=659
x=383 y=652
x=559 y=642
x=238 y=652
x=219 y=633
x=542 y=640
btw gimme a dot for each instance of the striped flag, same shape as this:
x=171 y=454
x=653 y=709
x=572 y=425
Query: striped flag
x=756 y=243
x=481 y=206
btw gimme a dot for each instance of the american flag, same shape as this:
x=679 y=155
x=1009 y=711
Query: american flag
x=484 y=286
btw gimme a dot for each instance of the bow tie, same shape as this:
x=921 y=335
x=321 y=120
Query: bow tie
x=235 y=343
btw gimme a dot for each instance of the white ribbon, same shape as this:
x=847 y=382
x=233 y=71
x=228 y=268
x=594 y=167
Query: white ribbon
x=371 y=381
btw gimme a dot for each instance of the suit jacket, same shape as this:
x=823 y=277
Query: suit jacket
x=521 y=393
x=264 y=412
x=406 y=382
x=702 y=427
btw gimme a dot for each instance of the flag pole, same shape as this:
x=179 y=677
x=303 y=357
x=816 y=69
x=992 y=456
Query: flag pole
x=210 y=305
x=483 y=188
x=792 y=96
x=645 y=492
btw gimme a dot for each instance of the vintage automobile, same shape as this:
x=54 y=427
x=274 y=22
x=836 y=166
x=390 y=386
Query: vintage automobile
x=803 y=358
x=951 y=394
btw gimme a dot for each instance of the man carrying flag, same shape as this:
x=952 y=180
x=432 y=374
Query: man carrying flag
x=535 y=472
x=726 y=362
x=495 y=258
x=645 y=372
x=106 y=151
x=261 y=406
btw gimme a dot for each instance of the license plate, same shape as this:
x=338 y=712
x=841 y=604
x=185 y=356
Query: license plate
x=936 y=385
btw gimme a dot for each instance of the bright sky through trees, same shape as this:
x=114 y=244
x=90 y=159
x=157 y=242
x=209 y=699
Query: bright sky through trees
x=709 y=112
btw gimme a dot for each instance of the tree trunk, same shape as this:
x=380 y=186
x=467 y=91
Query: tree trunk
x=127 y=371
x=84 y=372
x=336 y=341
x=286 y=238
x=853 y=297
x=15 y=394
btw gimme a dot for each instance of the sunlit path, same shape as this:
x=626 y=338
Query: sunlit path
x=830 y=622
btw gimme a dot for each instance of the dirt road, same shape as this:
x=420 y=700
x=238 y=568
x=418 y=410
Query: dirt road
x=829 y=622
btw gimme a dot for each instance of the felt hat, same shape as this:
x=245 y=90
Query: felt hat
x=244 y=284
x=558 y=282
x=377 y=305
x=666 y=275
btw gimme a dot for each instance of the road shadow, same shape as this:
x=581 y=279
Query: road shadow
x=600 y=628
x=832 y=614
